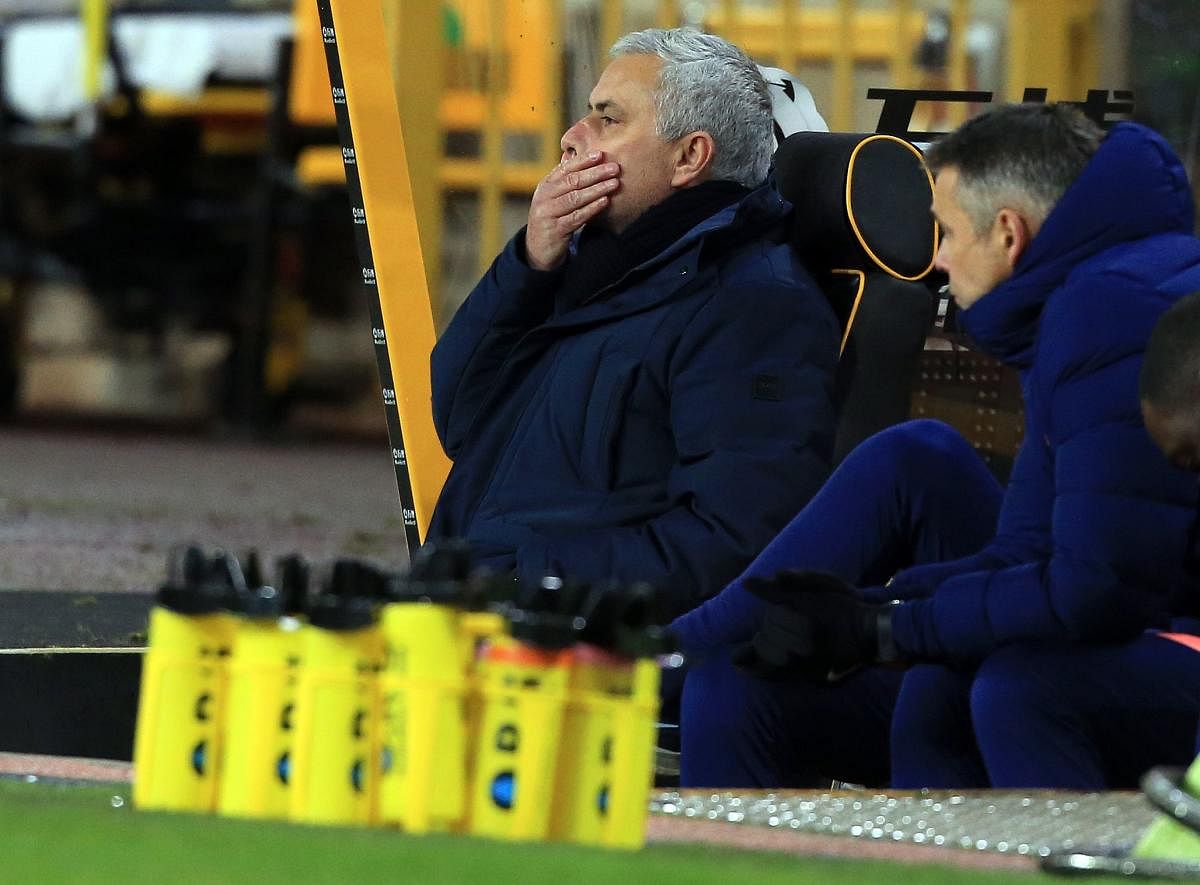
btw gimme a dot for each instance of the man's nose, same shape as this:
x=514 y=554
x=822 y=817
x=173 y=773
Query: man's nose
x=939 y=259
x=573 y=140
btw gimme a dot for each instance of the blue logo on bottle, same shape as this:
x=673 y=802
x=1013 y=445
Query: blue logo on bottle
x=199 y=757
x=385 y=760
x=504 y=790
x=356 y=776
x=283 y=768
x=602 y=800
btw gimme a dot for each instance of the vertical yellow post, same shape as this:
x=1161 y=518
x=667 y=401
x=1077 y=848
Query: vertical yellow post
x=960 y=21
x=789 y=35
x=667 y=14
x=1051 y=44
x=729 y=10
x=902 y=48
x=415 y=40
x=843 y=68
x=491 y=189
x=612 y=26
x=95 y=44
x=390 y=247
x=552 y=114
x=1084 y=48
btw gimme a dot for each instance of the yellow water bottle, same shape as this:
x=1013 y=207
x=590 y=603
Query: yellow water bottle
x=606 y=758
x=335 y=767
x=524 y=684
x=483 y=620
x=264 y=672
x=177 y=744
x=423 y=693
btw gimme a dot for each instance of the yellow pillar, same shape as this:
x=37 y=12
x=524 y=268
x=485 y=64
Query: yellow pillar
x=729 y=8
x=1052 y=45
x=903 y=48
x=414 y=31
x=612 y=26
x=491 y=190
x=552 y=115
x=843 y=68
x=95 y=45
x=667 y=15
x=390 y=248
x=789 y=34
x=960 y=21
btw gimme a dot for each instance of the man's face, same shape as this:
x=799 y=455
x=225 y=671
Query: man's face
x=976 y=263
x=621 y=123
x=1177 y=433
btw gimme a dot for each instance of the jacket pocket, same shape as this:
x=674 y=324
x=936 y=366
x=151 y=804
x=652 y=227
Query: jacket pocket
x=608 y=401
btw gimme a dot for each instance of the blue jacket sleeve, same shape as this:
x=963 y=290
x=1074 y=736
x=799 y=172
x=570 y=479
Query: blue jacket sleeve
x=507 y=302
x=1117 y=514
x=751 y=409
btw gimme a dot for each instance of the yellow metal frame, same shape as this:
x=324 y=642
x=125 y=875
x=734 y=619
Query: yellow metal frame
x=792 y=34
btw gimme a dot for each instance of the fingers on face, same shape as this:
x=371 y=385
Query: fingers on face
x=577 y=218
x=583 y=195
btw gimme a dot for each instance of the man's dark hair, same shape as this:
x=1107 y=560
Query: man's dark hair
x=1170 y=378
x=1017 y=156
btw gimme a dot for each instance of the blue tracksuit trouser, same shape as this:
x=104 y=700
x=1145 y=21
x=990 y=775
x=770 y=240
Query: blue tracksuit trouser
x=913 y=494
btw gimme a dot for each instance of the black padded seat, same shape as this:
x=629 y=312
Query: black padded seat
x=864 y=230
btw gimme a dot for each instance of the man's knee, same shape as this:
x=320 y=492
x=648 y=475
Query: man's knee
x=723 y=738
x=1013 y=693
x=923 y=445
x=929 y=695
x=719 y=702
x=930 y=727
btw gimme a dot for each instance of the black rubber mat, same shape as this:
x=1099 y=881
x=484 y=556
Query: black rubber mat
x=69 y=703
x=61 y=693
x=68 y=619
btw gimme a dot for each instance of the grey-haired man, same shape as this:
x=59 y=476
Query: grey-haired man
x=640 y=387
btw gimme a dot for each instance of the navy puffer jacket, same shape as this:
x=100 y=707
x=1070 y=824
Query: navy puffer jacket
x=1092 y=535
x=665 y=432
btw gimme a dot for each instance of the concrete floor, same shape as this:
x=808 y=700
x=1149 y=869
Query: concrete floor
x=98 y=511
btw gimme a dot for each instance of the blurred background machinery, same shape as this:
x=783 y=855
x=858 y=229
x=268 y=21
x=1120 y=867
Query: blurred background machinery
x=174 y=235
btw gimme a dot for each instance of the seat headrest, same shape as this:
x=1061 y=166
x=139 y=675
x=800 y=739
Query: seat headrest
x=862 y=202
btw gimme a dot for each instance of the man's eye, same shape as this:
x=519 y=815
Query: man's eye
x=607 y=121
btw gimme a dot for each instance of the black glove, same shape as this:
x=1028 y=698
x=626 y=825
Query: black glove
x=816 y=628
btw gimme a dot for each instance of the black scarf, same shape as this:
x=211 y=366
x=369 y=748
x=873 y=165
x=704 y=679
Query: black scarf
x=602 y=257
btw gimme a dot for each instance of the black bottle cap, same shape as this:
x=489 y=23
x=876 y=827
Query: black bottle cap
x=646 y=642
x=545 y=630
x=292 y=580
x=487 y=591
x=194 y=584
x=332 y=612
x=406 y=589
x=260 y=602
x=444 y=560
x=350 y=577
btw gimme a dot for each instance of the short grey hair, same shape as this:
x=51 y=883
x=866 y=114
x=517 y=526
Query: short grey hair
x=709 y=84
x=1020 y=156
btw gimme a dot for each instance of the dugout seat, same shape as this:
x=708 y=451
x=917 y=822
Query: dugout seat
x=864 y=230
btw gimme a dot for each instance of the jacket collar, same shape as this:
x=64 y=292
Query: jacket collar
x=677 y=266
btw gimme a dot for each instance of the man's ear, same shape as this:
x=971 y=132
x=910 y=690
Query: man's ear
x=1013 y=232
x=693 y=157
